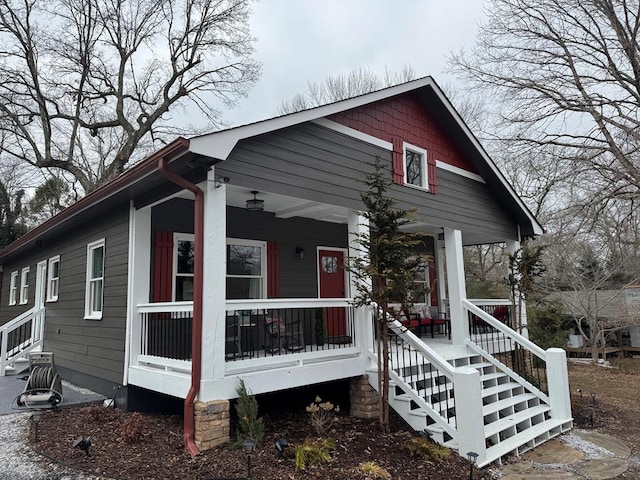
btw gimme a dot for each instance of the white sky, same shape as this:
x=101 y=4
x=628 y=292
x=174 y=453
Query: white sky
x=299 y=41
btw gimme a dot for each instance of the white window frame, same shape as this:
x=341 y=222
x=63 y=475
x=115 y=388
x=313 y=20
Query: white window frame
x=53 y=283
x=177 y=237
x=89 y=312
x=13 y=288
x=425 y=172
x=263 y=262
x=24 y=285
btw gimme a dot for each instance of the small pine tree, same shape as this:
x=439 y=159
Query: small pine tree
x=250 y=426
x=390 y=258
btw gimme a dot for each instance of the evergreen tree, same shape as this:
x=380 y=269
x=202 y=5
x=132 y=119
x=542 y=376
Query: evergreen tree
x=386 y=271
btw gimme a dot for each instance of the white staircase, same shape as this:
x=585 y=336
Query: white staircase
x=500 y=411
x=18 y=338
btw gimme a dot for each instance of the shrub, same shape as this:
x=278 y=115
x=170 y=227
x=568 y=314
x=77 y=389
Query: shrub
x=373 y=469
x=97 y=413
x=134 y=428
x=425 y=448
x=322 y=415
x=313 y=452
x=250 y=425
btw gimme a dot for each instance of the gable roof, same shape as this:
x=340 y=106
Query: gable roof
x=217 y=146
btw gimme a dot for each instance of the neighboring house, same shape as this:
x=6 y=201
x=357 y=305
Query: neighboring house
x=237 y=240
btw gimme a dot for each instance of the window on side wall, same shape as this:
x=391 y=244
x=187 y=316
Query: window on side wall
x=246 y=269
x=183 y=267
x=415 y=166
x=24 y=286
x=53 y=279
x=13 y=288
x=95 y=281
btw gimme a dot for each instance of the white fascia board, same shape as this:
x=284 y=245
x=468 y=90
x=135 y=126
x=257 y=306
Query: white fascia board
x=220 y=144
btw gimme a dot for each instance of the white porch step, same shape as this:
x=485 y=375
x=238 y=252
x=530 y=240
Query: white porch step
x=19 y=366
x=512 y=420
x=492 y=376
x=537 y=434
x=503 y=387
x=507 y=402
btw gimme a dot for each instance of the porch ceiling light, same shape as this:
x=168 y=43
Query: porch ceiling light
x=254 y=204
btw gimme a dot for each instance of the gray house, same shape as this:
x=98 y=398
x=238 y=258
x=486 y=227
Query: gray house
x=222 y=257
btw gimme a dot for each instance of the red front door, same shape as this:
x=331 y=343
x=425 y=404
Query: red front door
x=332 y=285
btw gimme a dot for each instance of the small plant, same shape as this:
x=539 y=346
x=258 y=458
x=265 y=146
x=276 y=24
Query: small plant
x=425 y=448
x=135 y=428
x=313 y=452
x=250 y=425
x=322 y=415
x=374 y=470
x=97 y=413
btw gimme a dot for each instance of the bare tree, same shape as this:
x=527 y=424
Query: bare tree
x=340 y=87
x=86 y=83
x=566 y=74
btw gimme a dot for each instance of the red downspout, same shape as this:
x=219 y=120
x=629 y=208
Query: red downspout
x=196 y=337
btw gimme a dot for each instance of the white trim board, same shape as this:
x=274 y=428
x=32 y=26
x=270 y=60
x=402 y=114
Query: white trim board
x=459 y=171
x=352 y=132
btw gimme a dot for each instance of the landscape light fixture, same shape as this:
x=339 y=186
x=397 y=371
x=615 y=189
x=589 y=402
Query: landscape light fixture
x=255 y=204
x=281 y=445
x=472 y=457
x=249 y=446
x=83 y=444
x=35 y=419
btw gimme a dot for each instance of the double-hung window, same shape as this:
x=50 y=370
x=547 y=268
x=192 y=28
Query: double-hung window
x=183 y=267
x=415 y=166
x=24 y=286
x=13 y=288
x=246 y=269
x=95 y=280
x=53 y=278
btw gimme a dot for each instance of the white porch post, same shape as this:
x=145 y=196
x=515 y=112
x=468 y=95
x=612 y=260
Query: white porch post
x=558 y=383
x=359 y=225
x=456 y=285
x=214 y=281
x=139 y=281
x=469 y=417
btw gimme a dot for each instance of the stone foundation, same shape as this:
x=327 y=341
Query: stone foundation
x=364 y=399
x=212 y=423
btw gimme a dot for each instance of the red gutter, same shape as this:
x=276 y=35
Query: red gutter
x=196 y=336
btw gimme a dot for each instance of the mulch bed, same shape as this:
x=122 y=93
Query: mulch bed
x=160 y=452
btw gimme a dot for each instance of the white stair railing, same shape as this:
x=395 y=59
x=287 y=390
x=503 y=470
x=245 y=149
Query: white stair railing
x=20 y=336
x=544 y=373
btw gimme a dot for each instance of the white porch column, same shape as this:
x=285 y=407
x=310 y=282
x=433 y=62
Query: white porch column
x=214 y=281
x=558 y=384
x=359 y=225
x=456 y=285
x=139 y=266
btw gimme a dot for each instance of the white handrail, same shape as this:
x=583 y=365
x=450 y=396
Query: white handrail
x=19 y=320
x=275 y=303
x=529 y=345
x=163 y=307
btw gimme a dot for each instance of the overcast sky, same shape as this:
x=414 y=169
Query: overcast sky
x=306 y=40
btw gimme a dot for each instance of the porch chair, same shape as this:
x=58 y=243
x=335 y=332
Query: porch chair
x=293 y=335
x=437 y=318
x=274 y=331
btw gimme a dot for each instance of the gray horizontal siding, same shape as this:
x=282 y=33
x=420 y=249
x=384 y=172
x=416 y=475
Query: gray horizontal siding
x=87 y=346
x=318 y=164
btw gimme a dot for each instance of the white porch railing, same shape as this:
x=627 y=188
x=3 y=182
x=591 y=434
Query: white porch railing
x=20 y=336
x=254 y=329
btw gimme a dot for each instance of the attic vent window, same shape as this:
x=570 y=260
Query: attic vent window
x=415 y=167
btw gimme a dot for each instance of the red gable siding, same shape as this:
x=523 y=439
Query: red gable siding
x=404 y=118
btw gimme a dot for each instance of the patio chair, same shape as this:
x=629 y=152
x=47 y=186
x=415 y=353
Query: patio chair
x=293 y=336
x=437 y=318
x=233 y=344
x=274 y=332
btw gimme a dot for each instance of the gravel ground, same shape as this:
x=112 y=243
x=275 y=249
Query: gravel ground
x=19 y=462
